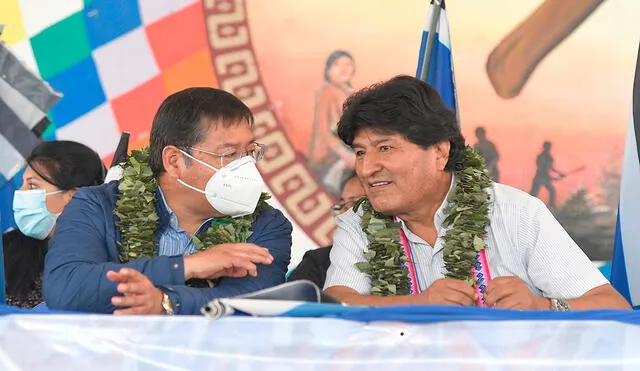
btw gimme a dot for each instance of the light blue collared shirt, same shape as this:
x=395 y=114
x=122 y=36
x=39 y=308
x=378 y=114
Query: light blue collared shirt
x=175 y=241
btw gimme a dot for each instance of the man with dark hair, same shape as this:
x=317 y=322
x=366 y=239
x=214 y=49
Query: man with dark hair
x=488 y=151
x=105 y=257
x=432 y=212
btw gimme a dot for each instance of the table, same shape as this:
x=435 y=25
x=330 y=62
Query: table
x=102 y=342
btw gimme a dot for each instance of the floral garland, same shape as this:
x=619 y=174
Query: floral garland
x=136 y=209
x=467 y=212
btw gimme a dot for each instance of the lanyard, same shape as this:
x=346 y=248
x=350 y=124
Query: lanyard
x=480 y=271
x=482 y=276
x=411 y=265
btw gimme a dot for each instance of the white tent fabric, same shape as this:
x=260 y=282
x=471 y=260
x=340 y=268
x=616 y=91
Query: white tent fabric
x=97 y=342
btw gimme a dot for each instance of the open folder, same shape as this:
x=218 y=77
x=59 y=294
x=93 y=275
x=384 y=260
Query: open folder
x=292 y=299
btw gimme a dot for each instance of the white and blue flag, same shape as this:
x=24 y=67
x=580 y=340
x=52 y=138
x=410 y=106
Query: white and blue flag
x=25 y=100
x=625 y=271
x=440 y=64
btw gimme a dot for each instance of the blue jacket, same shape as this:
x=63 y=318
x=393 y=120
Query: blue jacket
x=84 y=247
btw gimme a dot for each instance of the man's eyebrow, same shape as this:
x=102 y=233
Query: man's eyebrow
x=373 y=142
x=381 y=140
x=234 y=144
x=226 y=145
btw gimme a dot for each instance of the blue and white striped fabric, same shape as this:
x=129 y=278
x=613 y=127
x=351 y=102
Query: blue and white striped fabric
x=625 y=272
x=440 y=73
x=24 y=101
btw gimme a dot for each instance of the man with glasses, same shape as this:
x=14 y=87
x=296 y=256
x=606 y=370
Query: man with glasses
x=314 y=263
x=202 y=154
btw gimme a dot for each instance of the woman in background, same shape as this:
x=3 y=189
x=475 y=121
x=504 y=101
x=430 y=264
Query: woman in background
x=55 y=170
x=330 y=160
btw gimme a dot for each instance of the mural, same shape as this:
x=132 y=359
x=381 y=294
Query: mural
x=545 y=109
x=544 y=93
x=543 y=87
x=329 y=158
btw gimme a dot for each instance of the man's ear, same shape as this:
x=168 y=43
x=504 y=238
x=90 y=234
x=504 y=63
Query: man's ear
x=173 y=161
x=442 y=153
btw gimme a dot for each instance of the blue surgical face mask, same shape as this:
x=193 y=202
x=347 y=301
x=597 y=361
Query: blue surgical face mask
x=31 y=213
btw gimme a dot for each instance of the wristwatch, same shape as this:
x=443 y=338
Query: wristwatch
x=560 y=305
x=167 y=305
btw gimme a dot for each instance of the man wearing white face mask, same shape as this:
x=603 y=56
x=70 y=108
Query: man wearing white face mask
x=234 y=189
x=204 y=185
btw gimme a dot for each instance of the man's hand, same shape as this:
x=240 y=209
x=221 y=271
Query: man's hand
x=513 y=293
x=226 y=260
x=140 y=295
x=448 y=291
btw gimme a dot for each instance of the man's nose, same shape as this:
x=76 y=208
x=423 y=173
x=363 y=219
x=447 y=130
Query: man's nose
x=368 y=165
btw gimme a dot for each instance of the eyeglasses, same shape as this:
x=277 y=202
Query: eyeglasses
x=255 y=150
x=342 y=207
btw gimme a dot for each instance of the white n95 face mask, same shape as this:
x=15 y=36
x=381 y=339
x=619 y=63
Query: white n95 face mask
x=233 y=190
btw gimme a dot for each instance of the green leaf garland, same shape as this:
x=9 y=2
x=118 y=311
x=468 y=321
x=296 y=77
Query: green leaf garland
x=136 y=208
x=467 y=214
x=385 y=257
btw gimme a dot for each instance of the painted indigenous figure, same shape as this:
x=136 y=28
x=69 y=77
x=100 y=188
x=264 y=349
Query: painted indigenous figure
x=330 y=160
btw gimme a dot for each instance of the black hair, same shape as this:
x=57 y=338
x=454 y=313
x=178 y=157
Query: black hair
x=180 y=120
x=67 y=164
x=23 y=264
x=407 y=106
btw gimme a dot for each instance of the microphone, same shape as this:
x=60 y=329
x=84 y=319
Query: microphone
x=119 y=158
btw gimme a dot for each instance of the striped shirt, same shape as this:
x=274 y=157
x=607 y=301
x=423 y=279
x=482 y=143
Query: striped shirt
x=523 y=240
x=175 y=241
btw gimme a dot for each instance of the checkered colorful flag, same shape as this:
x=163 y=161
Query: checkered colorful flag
x=113 y=61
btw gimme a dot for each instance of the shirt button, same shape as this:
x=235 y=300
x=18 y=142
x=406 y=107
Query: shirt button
x=175 y=266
